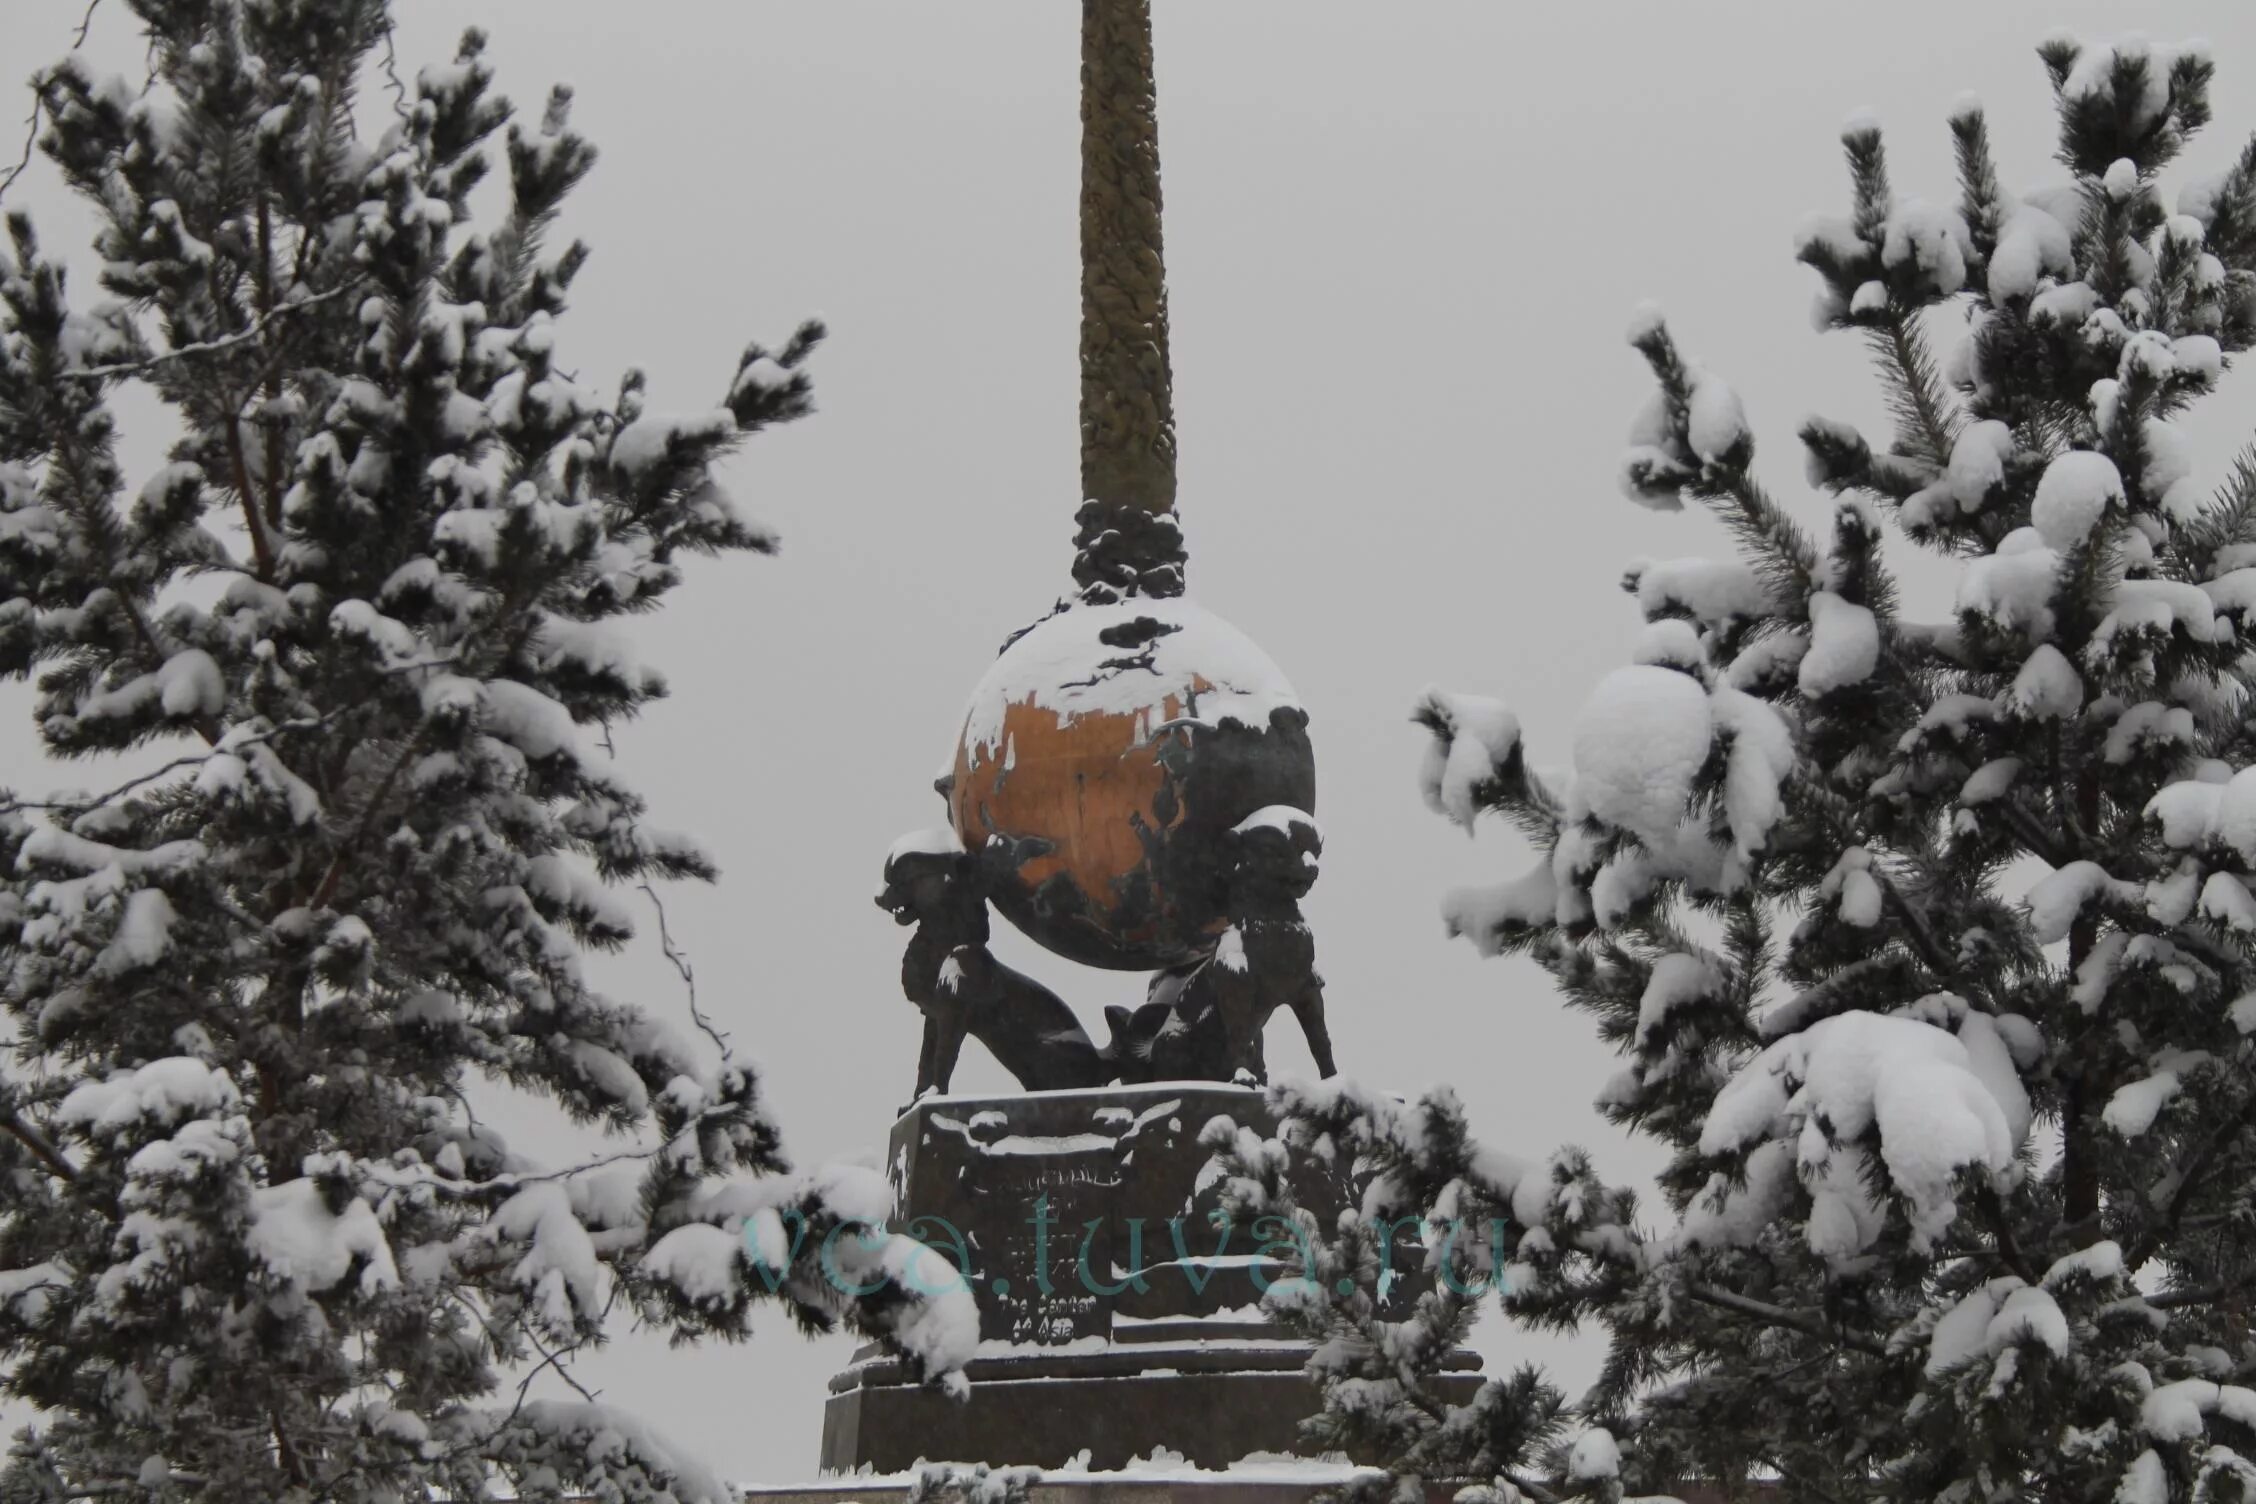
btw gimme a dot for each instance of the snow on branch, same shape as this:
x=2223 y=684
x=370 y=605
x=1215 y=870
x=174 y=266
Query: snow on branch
x=1476 y=741
x=251 y=333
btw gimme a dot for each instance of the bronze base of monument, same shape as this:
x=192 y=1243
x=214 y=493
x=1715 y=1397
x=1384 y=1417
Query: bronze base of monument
x=1119 y=1320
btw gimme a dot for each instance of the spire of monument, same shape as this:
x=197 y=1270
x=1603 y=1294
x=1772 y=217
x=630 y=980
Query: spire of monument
x=1128 y=541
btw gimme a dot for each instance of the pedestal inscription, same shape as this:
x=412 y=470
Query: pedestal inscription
x=1067 y=1207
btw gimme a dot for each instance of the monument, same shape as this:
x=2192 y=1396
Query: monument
x=1133 y=787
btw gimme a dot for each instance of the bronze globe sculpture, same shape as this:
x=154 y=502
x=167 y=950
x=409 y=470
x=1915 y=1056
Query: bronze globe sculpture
x=1132 y=784
x=1112 y=751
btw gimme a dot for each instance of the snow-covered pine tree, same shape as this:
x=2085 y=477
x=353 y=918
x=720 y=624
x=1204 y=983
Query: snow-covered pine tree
x=255 y=1242
x=1377 y=1367
x=1930 y=946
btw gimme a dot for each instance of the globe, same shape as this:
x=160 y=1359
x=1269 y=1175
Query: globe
x=1105 y=758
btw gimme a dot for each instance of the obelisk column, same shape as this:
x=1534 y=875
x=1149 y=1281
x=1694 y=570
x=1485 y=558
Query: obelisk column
x=1128 y=541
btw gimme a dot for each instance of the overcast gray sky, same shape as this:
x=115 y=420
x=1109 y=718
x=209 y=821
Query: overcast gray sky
x=1403 y=240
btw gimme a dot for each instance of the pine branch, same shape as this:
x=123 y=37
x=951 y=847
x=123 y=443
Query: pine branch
x=2232 y=227
x=1781 y=549
x=334 y=874
x=502 y=1186
x=681 y=965
x=2169 y=1194
x=254 y=520
x=2200 y=1295
x=42 y=1149
x=1779 y=1316
x=31 y=122
x=2231 y=517
x=1921 y=934
x=1530 y=1487
x=198 y=759
x=191 y=760
x=557 y=1360
x=1868 y=180
x=113 y=1487
x=246 y=335
x=1926 y=418
x=1980 y=198
x=292 y=1465
x=31 y=140
x=2008 y=1245
x=391 y=73
x=2039 y=841
x=74 y=466
x=1778 y=544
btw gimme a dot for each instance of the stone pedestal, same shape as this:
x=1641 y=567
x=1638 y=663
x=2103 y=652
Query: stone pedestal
x=1119 y=1312
x=1288 y=1484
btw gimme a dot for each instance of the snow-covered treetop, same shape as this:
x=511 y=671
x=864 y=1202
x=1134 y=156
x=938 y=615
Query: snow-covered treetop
x=255 y=1230
x=1930 y=946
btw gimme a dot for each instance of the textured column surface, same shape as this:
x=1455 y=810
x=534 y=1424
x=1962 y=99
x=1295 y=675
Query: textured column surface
x=1127 y=536
x=1127 y=412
